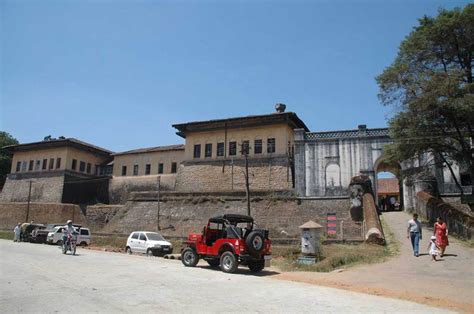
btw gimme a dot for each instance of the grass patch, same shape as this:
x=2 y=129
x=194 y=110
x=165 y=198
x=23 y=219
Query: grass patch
x=109 y=242
x=334 y=256
x=6 y=235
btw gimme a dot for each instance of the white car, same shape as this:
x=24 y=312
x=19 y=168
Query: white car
x=56 y=236
x=150 y=243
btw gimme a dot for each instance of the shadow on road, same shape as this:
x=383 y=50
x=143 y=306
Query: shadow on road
x=244 y=271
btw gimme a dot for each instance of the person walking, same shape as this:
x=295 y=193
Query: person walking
x=433 y=248
x=414 y=233
x=441 y=233
x=16 y=233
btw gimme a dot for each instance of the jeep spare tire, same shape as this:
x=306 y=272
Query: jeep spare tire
x=189 y=257
x=255 y=242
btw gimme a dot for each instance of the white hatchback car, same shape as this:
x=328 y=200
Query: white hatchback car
x=150 y=243
x=56 y=235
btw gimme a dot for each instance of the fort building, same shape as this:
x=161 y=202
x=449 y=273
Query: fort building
x=138 y=170
x=215 y=151
x=148 y=161
x=58 y=170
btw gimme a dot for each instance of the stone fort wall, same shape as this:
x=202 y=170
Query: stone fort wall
x=184 y=213
x=44 y=189
x=121 y=187
x=13 y=213
x=265 y=174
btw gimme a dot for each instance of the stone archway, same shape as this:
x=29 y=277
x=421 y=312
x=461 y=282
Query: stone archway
x=388 y=189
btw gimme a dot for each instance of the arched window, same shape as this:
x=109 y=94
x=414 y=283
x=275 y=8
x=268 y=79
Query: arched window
x=333 y=175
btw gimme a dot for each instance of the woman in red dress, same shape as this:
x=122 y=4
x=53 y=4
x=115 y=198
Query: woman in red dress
x=441 y=233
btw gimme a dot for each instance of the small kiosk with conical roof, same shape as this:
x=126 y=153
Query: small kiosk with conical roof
x=310 y=242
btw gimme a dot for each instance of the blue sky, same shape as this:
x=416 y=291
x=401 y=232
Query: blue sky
x=118 y=73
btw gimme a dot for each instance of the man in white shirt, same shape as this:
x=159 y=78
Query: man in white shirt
x=16 y=233
x=414 y=234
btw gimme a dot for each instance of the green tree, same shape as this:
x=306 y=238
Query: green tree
x=431 y=88
x=5 y=157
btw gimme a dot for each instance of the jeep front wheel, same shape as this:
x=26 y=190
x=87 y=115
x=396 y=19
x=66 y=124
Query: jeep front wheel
x=189 y=257
x=255 y=242
x=256 y=266
x=229 y=262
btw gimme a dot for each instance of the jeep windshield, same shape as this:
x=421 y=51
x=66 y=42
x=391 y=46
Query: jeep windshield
x=154 y=236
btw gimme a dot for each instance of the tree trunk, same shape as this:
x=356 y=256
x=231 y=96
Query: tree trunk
x=452 y=173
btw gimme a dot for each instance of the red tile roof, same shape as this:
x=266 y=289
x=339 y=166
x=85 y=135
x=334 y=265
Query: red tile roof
x=387 y=186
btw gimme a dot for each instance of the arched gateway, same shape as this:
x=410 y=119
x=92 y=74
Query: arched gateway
x=325 y=162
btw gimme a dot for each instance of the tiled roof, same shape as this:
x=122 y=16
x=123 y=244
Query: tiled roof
x=151 y=150
x=387 y=186
x=289 y=118
x=57 y=143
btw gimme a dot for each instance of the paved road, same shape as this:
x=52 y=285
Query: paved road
x=38 y=278
x=448 y=283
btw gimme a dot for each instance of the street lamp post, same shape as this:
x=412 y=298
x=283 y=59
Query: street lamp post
x=28 y=204
x=158 y=213
x=245 y=150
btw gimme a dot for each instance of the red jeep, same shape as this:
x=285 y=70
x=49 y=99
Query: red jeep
x=228 y=240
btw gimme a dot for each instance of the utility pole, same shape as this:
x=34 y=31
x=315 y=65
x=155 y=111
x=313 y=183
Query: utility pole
x=247 y=184
x=158 y=214
x=245 y=150
x=28 y=205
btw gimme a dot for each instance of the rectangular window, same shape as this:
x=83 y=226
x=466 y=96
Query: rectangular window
x=31 y=165
x=232 y=148
x=245 y=147
x=97 y=170
x=45 y=164
x=82 y=166
x=124 y=170
x=89 y=167
x=74 y=164
x=51 y=163
x=220 y=149
x=208 y=151
x=270 y=145
x=38 y=165
x=197 y=151
x=18 y=166
x=147 y=169
x=173 y=167
x=135 y=170
x=258 y=147
x=24 y=165
x=58 y=163
x=160 y=168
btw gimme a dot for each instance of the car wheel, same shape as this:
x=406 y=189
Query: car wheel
x=60 y=242
x=149 y=252
x=83 y=243
x=255 y=242
x=189 y=257
x=229 y=262
x=213 y=262
x=256 y=266
x=128 y=250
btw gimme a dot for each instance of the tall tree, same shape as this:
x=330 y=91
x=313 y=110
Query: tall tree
x=5 y=157
x=430 y=85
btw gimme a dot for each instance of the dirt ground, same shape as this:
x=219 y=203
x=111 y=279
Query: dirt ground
x=447 y=283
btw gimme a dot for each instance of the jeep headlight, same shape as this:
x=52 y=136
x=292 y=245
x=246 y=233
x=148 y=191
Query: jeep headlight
x=158 y=246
